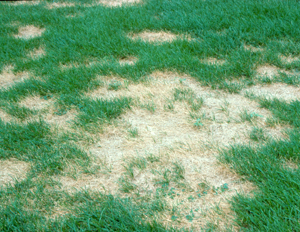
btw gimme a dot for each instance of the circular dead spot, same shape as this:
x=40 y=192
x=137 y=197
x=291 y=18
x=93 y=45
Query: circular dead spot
x=267 y=70
x=100 y=182
x=117 y=3
x=36 y=102
x=60 y=5
x=11 y=170
x=8 y=77
x=289 y=59
x=253 y=49
x=29 y=32
x=5 y=117
x=128 y=61
x=213 y=61
x=277 y=90
x=151 y=36
x=62 y=121
x=37 y=53
x=290 y=165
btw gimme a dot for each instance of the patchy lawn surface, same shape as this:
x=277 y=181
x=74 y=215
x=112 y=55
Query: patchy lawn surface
x=150 y=115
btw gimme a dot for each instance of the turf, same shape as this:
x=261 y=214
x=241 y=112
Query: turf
x=213 y=46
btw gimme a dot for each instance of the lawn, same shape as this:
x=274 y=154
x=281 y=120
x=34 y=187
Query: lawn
x=150 y=115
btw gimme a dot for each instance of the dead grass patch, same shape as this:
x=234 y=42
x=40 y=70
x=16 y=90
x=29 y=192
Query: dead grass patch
x=8 y=77
x=172 y=136
x=55 y=5
x=29 y=32
x=5 y=117
x=213 y=61
x=128 y=61
x=267 y=70
x=151 y=36
x=10 y=170
x=253 y=49
x=277 y=90
x=36 y=102
x=288 y=59
x=117 y=3
x=62 y=121
x=37 y=53
x=289 y=164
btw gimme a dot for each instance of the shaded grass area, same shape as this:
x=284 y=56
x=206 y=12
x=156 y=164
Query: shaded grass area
x=275 y=205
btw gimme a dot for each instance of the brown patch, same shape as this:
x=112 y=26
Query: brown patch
x=173 y=137
x=5 y=117
x=69 y=66
x=117 y=3
x=253 y=49
x=128 y=61
x=99 y=182
x=29 y=32
x=289 y=164
x=11 y=170
x=151 y=36
x=213 y=61
x=55 y=5
x=289 y=59
x=8 y=78
x=37 y=53
x=36 y=103
x=267 y=70
x=61 y=121
x=277 y=90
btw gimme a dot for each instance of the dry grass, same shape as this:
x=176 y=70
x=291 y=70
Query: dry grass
x=213 y=61
x=63 y=121
x=37 y=53
x=29 y=32
x=152 y=36
x=5 y=117
x=116 y=3
x=128 y=61
x=8 y=77
x=277 y=90
x=55 y=5
x=173 y=137
x=253 y=49
x=289 y=59
x=267 y=71
x=36 y=102
x=10 y=170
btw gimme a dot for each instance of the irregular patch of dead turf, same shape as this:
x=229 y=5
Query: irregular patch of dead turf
x=152 y=36
x=128 y=61
x=172 y=136
x=29 y=32
x=253 y=49
x=278 y=90
x=117 y=3
x=35 y=102
x=8 y=77
x=213 y=61
x=289 y=59
x=37 y=53
x=11 y=170
x=60 y=5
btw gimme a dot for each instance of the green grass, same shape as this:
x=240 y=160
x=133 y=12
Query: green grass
x=219 y=29
x=275 y=203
